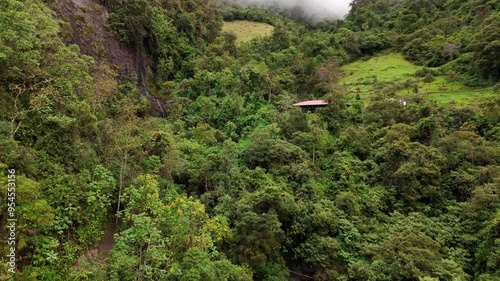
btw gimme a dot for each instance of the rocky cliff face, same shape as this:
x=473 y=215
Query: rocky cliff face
x=90 y=31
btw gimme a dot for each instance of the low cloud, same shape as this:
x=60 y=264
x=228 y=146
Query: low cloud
x=310 y=9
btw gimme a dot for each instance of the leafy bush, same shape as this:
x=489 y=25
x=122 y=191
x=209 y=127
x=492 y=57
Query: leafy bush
x=426 y=72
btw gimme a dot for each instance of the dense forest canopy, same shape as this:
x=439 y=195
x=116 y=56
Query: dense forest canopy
x=234 y=183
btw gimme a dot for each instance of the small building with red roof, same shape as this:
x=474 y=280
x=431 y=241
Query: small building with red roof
x=311 y=105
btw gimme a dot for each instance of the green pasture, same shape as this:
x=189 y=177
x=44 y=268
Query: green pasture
x=246 y=30
x=364 y=76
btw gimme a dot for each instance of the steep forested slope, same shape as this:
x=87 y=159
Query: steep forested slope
x=432 y=33
x=235 y=183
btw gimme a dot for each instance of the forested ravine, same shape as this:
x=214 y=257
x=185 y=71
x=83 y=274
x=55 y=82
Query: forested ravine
x=138 y=141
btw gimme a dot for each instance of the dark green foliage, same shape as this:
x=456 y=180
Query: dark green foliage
x=432 y=33
x=486 y=44
x=235 y=183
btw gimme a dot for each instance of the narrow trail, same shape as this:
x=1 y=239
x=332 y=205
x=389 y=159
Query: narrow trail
x=100 y=251
x=108 y=241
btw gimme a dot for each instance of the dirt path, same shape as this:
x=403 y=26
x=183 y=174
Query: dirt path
x=108 y=241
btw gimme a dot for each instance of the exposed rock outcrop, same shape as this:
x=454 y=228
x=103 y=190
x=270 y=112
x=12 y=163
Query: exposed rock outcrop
x=90 y=31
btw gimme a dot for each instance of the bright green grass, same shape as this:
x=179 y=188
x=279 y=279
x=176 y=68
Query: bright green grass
x=360 y=76
x=246 y=30
x=390 y=67
x=467 y=96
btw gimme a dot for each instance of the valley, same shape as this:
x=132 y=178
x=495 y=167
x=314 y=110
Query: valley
x=161 y=140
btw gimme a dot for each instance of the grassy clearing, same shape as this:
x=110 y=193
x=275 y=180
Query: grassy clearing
x=385 y=71
x=391 y=67
x=246 y=30
x=468 y=96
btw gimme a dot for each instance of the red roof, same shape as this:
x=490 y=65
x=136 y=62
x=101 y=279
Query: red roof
x=311 y=103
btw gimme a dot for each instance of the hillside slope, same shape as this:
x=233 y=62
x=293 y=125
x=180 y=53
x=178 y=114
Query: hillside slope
x=235 y=183
x=247 y=30
x=390 y=75
x=90 y=31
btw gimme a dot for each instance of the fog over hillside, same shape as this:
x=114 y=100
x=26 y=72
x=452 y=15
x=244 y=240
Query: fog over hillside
x=314 y=9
